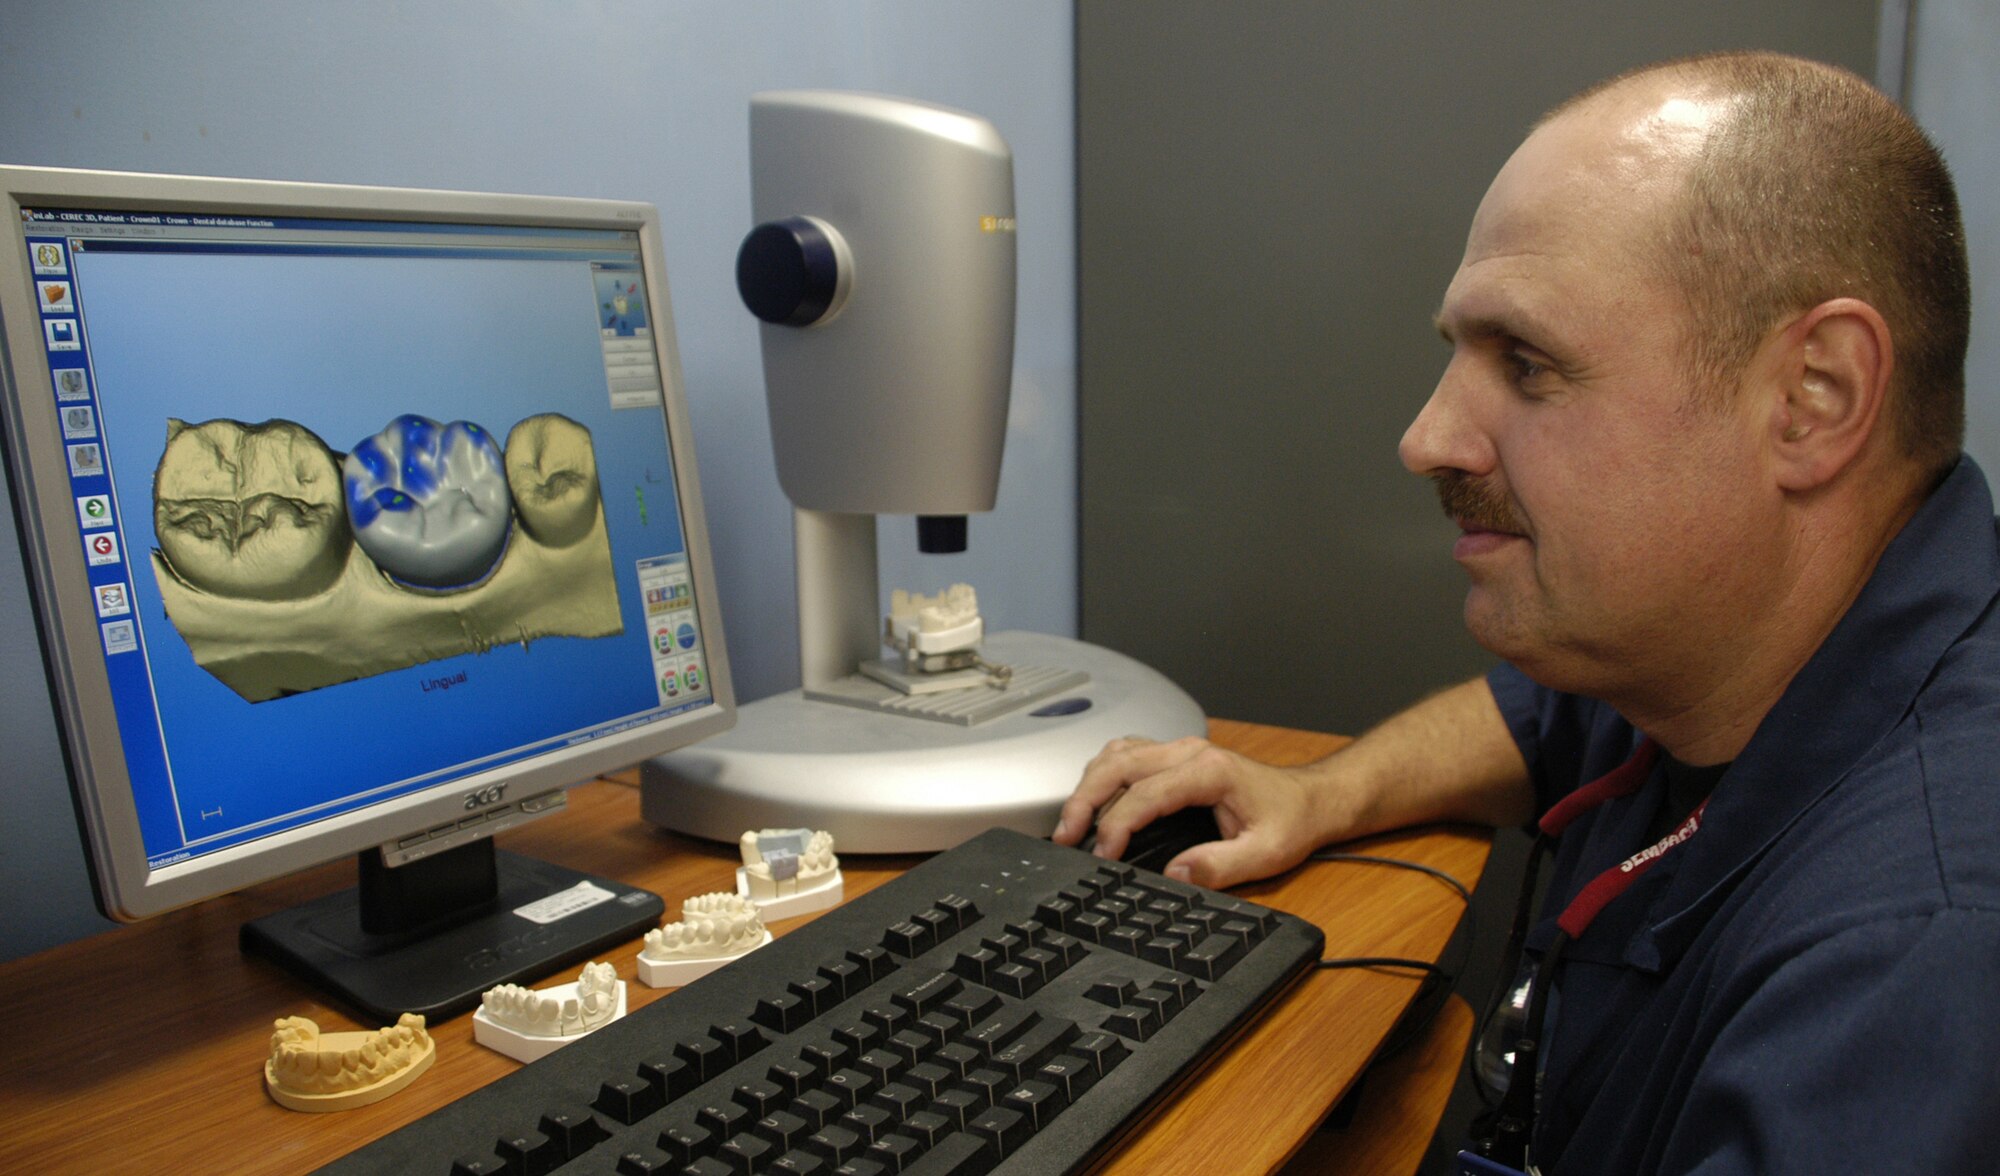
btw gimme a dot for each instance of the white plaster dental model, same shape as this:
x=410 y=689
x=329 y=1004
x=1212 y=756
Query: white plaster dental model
x=714 y=929
x=283 y=579
x=789 y=872
x=935 y=624
x=307 y=1070
x=528 y=1023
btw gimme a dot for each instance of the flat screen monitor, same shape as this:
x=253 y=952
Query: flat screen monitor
x=357 y=521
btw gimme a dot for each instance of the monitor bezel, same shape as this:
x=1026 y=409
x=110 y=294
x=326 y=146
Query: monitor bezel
x=126 y=886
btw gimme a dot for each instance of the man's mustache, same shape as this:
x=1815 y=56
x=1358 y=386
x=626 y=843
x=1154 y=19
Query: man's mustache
x=1475 y=505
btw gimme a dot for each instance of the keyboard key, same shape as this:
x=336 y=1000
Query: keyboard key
x=817 y=1108
x=922 y=995
x=1039 y=1102
x=868 y=1121
x=845 y=976
x=1001 y=1028
x=629 y=1100
x=873 y=962
x=828 y=1056
x=1056 y=912
x=975 y=964
x=1021 y=1057
x=795 y=1076
x=899 y=1099
x=1005 y=1128
x=646 y=1161
x=958 y=1154
x=760 y=1097
x=963 y=910
x=710 y=1166
x=1166 y=1000
x=1112 y=991
x=1068 y=1073
x=959 y=1105
x=837 y=1143
x=1017 y=980
x=746 y=1153
x=940 y=1026
x=909 y=1047
x=1091 y=926
x=1164 y=950
x=491 y=1165
x=883 y=1065
x=817 y=992
x=1212 y=957
x=959 y=1058
x=573 y=1131
x=894 y=1151
x=704 y=1057
x=972 y=1006
x=909 y=938
x=1137 y=1022
x=928 y=1079
x=673 y=1076
x=1127 y=939
x=850 y=1086
x=1004 y=945
x=943 y=924
x=926 y=1127
x=784 y=1129
x=1067 y=948
x=530 y=1153
x=1100 y=1049
x=800 y=1163
x=724 y=1120
x=739 y=1039
x=685 y=1143
x=887 y=1017
x=782 y=1013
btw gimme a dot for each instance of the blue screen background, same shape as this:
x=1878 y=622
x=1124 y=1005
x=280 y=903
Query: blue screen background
x=342 y=344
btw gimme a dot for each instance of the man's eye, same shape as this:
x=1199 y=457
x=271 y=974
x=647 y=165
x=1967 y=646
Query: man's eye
x=1521 y=366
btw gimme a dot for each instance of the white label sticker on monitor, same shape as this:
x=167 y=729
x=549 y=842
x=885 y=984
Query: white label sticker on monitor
x=564 y=903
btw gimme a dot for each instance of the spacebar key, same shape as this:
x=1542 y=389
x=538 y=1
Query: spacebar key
x=958 y=1154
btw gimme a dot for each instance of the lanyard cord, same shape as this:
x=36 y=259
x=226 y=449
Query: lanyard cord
x=1504 y=1133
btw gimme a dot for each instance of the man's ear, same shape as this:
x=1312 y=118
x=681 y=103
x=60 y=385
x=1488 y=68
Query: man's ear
x=1831 y=367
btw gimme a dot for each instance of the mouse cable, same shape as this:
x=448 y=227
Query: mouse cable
x=1436 y=980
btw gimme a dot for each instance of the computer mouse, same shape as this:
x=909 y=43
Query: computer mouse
x=1154 y=845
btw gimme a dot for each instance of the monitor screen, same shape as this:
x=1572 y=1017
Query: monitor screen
x=357 y=517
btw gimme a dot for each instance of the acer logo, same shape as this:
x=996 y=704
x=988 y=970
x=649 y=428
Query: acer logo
x=485 y=796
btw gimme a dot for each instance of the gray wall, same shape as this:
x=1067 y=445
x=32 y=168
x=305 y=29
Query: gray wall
x=1272 y=198
x=1951 y=85
x=618 y=98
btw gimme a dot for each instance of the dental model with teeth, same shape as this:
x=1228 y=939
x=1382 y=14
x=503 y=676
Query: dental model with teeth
x=935 y=624
x=526 y=1024
x=284 y=577
x=307 y=1070
x=714 y=929
x=789 y=872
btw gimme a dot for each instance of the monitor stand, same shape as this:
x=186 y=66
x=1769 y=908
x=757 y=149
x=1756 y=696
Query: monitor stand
x=432 y=936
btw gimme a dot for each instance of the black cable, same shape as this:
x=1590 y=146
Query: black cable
x=1436 y=976
x=1386 y=962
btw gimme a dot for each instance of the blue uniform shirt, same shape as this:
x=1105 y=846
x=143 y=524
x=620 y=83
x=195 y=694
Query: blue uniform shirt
x=1812 y=982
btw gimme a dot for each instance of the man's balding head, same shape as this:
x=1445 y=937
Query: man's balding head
x=1802 y=183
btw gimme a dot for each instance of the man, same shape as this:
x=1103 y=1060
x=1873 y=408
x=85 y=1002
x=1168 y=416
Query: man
x=1700 y=430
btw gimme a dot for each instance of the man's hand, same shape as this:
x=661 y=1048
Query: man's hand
x=1267 y=815
x=1448 y=758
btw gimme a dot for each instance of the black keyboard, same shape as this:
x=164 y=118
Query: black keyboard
x=1009 y=1006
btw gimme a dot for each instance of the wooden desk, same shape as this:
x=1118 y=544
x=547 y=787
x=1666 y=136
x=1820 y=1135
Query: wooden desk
x=141 y=1050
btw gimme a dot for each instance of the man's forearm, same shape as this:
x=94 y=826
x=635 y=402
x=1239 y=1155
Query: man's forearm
x=1447 y=758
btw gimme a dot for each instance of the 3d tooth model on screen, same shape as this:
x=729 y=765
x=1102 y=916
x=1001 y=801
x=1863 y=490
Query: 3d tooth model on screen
x=287 y=567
